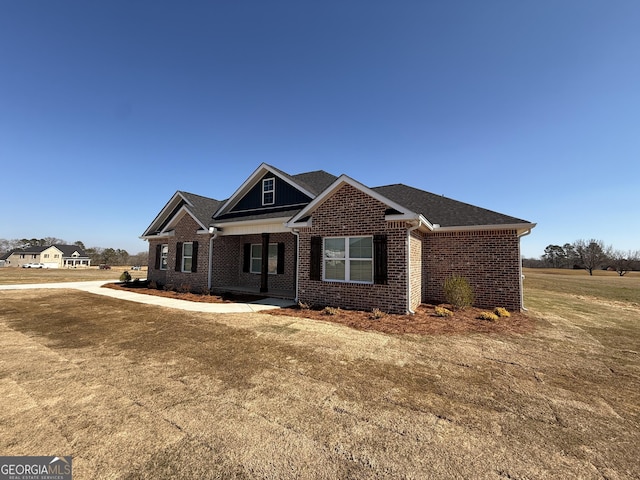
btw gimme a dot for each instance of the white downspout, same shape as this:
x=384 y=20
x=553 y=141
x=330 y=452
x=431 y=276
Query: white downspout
x=415 y=227
x=296 y=232
x=520 y=270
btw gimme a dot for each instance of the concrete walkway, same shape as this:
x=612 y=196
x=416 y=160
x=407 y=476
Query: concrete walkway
x=95 y=287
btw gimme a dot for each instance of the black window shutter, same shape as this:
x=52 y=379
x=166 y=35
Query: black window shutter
x=315 y=267
x=380 y=259
x=158 y=254
x=280 y=269
x=194 y=258
x=246 y=265
x=178 y=256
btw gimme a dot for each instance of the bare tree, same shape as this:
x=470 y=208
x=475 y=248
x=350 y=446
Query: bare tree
x=592 y=253
x=623 y=262
x=46 y=241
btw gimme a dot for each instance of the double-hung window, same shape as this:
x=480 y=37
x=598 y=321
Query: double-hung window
x=348 y=259
x=256 y=258
x=268 y=191
x=187 y=256
x=164 y=253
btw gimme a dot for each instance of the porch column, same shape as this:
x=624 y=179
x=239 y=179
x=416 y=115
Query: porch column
x=264 y=266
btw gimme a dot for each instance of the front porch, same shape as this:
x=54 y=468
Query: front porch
x=245 y=290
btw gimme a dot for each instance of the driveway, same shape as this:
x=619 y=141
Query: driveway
x=95 y=287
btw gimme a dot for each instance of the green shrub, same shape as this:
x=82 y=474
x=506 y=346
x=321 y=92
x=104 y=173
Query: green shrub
x=502 y=312
x=492 y=317
x=443 y=312
x=458 y=292
x=125 y=277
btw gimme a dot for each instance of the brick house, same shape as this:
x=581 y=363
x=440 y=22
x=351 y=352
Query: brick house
x=327 y=240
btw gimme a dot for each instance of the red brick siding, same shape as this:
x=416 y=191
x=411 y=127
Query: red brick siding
x=228 y=256
x=488 y=259
x=185 y=231
x=350 y=212
x=416 y=269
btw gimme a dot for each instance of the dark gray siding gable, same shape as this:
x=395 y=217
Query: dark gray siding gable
x=285 y=195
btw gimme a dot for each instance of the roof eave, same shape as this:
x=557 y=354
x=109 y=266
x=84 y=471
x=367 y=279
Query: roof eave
x=158 y=235
x=346 y=180
x=519 y=227
x=260 y=221
x=165 y=211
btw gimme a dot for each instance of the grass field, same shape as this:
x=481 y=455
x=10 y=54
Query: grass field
x=12 y=276
x=135 y=391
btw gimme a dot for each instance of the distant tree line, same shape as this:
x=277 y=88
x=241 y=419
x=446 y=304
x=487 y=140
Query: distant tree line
x=98 y=255
x=589 y=255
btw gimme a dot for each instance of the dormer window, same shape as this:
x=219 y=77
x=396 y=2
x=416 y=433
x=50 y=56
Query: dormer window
x=268 y=191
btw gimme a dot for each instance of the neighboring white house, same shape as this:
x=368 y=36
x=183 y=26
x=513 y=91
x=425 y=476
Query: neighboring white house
x=52 y=256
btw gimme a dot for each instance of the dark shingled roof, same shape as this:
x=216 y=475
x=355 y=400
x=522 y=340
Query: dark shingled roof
x=203 y=207
x=441 y=210
x=67 y=250
x=315 y=182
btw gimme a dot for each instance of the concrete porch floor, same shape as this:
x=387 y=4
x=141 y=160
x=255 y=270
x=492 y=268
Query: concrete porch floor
x=272 y=293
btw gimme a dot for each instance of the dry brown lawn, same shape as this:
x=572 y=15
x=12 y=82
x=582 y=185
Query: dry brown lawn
x=13 y=275
x=136 y=391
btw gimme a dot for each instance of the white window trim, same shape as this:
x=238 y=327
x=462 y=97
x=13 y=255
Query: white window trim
x=347 y=261
x=184 y=257
x=272 y=191
x=164 y=255
x=252 y=258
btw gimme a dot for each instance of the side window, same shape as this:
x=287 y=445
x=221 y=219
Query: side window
x=164 y=253
x=187 y=257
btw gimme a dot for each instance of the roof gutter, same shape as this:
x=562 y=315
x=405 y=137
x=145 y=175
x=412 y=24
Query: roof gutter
x=171 y=233
x=519 y=227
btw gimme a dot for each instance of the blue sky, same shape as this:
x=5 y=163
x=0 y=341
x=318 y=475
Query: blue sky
x=528 y=108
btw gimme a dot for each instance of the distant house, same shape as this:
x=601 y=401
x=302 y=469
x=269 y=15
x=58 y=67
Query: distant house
x=327 y=240
x=52 y=256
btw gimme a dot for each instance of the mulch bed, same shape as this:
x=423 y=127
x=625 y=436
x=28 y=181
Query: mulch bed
x=192 y=297
x=424 y=322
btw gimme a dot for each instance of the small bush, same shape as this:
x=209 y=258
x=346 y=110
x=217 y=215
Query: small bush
x=492 y=317
x=502 y=312
x=303 y=306
x=458 y=292
x=125 y=277
x=443 y=312
x=377 y=314
x=184 y=288
x=330 y=310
